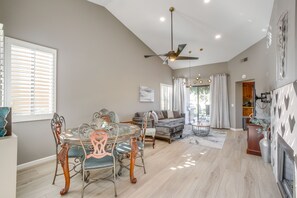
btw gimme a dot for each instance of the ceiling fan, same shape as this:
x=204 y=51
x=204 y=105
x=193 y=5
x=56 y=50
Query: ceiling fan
x=172 y=55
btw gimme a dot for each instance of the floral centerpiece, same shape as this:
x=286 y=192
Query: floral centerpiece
x=264 y=123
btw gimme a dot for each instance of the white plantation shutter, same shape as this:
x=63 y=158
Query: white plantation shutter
x=1 y=65
x=30 y=80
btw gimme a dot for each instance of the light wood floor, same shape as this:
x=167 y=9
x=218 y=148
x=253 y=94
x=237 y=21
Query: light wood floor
x=173 y=170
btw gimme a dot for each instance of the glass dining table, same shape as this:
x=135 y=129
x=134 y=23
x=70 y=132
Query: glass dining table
x=127 y=132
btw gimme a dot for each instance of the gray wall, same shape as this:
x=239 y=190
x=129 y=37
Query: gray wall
x=100 y=64
x=204 y=70
x=257 y=68
x=261 y=64
x=280 y=7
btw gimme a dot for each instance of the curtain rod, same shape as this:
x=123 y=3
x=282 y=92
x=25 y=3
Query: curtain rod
x=201 y=76
x=221 y=74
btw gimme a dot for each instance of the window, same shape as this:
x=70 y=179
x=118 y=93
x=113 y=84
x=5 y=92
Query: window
x=166 y=97
x=1 y=64
x=29 y=80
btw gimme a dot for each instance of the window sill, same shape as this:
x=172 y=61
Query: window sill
x=31 y=118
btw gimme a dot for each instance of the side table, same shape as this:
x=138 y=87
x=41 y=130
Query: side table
x=201 y=129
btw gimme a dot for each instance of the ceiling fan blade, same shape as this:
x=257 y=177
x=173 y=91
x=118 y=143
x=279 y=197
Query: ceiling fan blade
x=186 y=58
x=180 y=48
x=165 y=62
x=147 y=56
x=172 y=55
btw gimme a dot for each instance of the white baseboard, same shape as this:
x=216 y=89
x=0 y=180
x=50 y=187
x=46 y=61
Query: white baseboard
x=233 y=129
x=36 y=162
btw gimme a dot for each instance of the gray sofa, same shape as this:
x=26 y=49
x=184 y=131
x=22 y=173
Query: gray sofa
x=166 y=128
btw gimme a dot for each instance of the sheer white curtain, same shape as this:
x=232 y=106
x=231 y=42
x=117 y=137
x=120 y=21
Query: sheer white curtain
x=219 y=111
x=179 y=95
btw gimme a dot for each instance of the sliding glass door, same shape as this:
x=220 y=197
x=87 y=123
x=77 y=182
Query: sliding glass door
x=199 y=104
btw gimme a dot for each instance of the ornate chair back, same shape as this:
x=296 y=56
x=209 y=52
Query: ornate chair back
x=108 y=116
x=58 y=125
x=98 y=139
x=94 y=140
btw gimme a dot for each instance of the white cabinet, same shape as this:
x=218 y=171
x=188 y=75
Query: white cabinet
x=8 y=166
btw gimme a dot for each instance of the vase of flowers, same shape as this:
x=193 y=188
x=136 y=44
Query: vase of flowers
x=265 y=143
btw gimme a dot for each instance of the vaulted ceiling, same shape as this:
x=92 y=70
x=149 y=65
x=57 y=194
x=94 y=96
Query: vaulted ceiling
x=240 y=23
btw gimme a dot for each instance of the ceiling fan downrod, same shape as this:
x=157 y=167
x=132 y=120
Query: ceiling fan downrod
x=173 y=55
x=171 y=9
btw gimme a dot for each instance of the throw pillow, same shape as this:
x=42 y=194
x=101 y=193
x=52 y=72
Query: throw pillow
x=160 y=115
x=3 y=132
x=165 y=114
x=170 y=114
x=4 y=111
x=155 y=117
x=176 y=114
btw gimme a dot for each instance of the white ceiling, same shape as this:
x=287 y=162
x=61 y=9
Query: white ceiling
x=241 y=23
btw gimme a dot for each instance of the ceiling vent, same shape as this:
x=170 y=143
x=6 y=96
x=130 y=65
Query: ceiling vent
x=244 y=60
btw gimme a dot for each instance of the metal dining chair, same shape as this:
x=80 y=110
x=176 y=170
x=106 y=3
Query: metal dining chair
x=124 y=149
x=150 y=131
x=58 y=125
x=98 y=151
x=105 y=114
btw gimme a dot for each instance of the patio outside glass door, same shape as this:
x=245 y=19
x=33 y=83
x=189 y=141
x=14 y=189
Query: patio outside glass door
x=199 y=106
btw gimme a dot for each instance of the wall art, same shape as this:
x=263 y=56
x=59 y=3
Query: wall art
x=146 y=94
x=281 y=46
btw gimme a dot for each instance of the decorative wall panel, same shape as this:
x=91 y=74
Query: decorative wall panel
x=283 y=119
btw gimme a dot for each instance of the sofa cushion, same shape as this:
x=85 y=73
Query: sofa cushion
x=176 y=114
x=160 y=115
x=165 y=114
x=170 y=114
x=172 y=121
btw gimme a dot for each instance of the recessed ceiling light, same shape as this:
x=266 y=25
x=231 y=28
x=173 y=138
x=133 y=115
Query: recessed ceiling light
x=218 y=36
x=206 y=1
x=162 y=19
x=264 y=30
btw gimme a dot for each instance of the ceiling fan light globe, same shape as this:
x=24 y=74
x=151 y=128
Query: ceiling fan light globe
x=172 y=56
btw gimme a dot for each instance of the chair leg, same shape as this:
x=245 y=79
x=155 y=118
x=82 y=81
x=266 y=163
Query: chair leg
x=154 y=142
x=83 y=184
x=120 y=159
x=143 y=162
x=55 y=170
x=114 y=181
